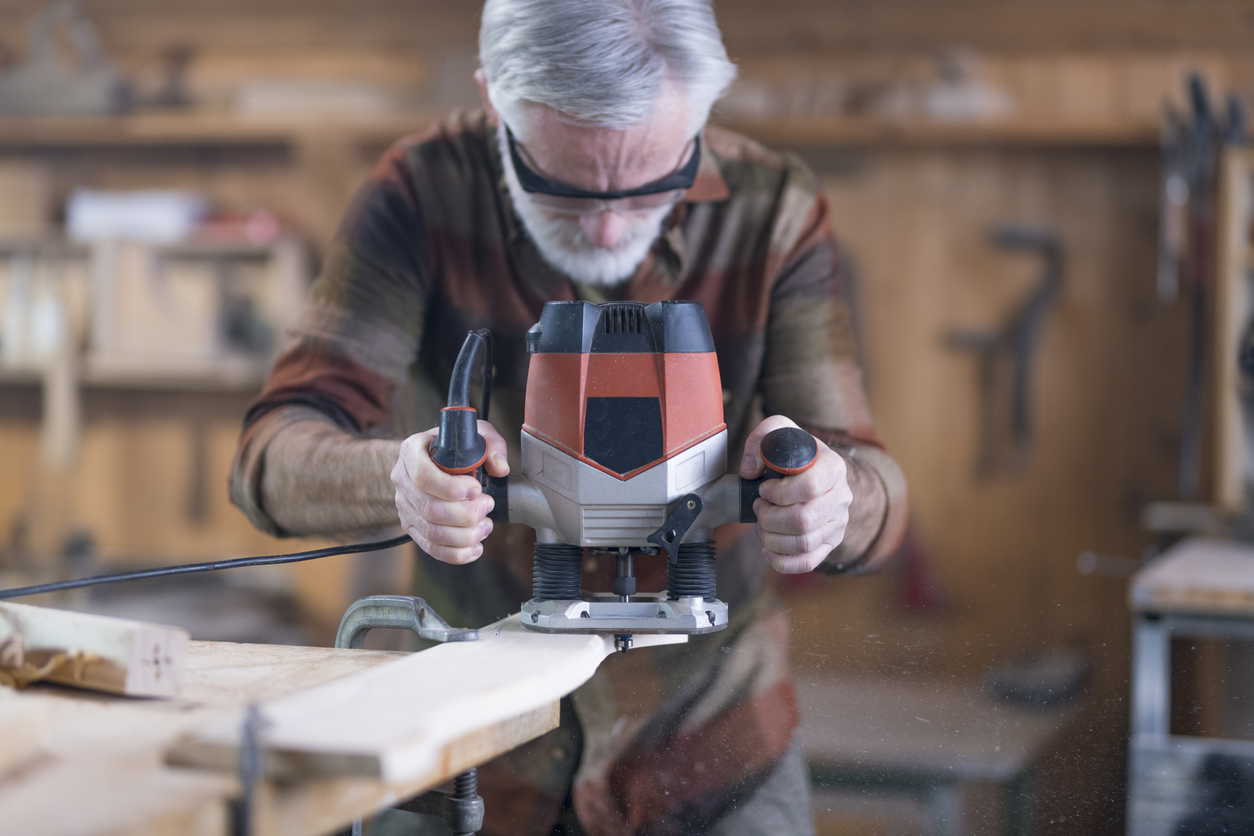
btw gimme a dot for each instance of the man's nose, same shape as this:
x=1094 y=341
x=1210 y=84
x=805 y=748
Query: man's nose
x=604 y=228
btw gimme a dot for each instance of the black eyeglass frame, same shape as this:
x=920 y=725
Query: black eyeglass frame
x=533 y=183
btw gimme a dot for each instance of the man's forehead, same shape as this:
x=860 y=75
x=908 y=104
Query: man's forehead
x=666 y=126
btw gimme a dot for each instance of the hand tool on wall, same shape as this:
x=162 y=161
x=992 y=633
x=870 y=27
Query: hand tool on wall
x=1015 y=345
x=1173 y=207
x=1198 y=155
x=1186 y=246
x=1188 y=159
x=43 y=83
x=624 y=453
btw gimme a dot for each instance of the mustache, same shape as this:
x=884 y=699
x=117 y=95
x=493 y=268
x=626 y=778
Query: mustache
x=570 y=233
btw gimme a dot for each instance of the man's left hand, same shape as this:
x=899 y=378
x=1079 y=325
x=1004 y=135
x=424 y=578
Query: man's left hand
x=801 y=518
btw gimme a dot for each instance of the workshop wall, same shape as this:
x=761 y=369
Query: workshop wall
x=1107 y=377
x=993 y=566
x=791 y=25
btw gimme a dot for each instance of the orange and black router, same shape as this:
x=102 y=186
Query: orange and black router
x=624 y=453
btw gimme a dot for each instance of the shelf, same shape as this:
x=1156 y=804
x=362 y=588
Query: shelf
x=202 y=128
x=209 y=128
x=817 y=131
x=226 y=376
x=60 y=247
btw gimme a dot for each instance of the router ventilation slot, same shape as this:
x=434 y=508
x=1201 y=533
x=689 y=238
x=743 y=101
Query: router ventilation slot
x=624 y=319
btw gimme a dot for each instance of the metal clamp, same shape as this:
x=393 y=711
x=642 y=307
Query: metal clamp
x=402 y=612
x=463 y=808
x=250 y=771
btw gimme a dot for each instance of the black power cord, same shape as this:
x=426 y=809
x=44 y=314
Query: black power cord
x=212 y=566
x=458 y=396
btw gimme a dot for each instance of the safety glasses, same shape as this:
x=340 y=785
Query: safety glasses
x=565 y=199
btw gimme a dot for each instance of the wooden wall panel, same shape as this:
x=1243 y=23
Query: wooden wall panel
x=1004 y=25
x=133 y=489
x=1107 y=389
x=1107 y=379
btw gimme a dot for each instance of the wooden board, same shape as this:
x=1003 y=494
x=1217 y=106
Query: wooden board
x=1233 y=308
x=1200 y=575
x=23 y=727
x=106 y=752
x=301 y=808
x=117 y=656
x=399 y=722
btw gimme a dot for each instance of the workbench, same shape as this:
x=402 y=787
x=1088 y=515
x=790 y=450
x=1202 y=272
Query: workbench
x=926 y=738
x=102 y=768
x=1199 y=588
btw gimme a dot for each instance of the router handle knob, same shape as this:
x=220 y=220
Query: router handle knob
x=789 y=451
x=785 y=452
x=459 y=448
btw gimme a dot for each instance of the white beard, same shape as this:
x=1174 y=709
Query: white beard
x=563 y=243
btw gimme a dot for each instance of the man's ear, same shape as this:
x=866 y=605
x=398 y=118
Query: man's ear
x=481 y=81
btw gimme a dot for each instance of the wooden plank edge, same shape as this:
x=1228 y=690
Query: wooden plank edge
x=323 y=806
x=410 y=748
x=287 y=765
x=114 y=655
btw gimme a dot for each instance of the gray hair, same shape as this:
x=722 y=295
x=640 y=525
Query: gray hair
x=602 y=62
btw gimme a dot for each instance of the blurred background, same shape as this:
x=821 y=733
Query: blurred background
x=1045 y=211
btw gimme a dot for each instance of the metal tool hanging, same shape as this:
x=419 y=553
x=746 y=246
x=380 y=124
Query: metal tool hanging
x=1191 y=149
x=47 y=83
x=1009 y=353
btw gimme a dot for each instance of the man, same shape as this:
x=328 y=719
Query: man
x=589 y=175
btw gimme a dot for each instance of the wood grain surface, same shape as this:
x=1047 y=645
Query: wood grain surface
x=405 y=720
x=1200 y=575
x=105 y=654
x=401 y=723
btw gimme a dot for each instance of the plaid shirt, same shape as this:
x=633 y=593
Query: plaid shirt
x=662 y=740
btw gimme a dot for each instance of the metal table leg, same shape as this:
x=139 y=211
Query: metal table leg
x=1151 y=677
x=1020 y=803
x=945 y=808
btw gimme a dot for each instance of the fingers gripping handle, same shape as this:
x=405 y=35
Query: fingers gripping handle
x=785 y=452
x=460 y=449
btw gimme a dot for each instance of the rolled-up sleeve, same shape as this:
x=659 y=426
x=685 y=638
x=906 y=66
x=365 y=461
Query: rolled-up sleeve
x=357 y=336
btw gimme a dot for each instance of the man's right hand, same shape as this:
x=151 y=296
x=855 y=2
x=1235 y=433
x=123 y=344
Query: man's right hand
x=446 y=515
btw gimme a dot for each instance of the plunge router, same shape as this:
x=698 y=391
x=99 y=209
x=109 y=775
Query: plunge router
x=624 y=453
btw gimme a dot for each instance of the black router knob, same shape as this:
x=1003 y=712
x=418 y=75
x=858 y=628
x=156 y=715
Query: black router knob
x=459 y=448
x=785 y=452
x=789 y=450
